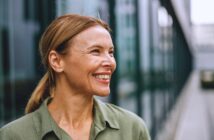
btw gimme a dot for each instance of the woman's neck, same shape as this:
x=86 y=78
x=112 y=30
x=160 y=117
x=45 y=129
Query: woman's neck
x=71 y=110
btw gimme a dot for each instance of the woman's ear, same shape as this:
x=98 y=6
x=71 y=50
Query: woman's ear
x=55 y=61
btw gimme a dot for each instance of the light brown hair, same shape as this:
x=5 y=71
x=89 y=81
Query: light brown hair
x=56 y=37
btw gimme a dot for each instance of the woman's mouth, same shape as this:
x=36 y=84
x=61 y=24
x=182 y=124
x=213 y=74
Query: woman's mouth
x=103 y=78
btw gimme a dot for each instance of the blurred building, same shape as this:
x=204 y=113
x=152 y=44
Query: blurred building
x=153 y=52
x=203 y=36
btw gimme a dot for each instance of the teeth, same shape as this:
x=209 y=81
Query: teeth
x=103 y=76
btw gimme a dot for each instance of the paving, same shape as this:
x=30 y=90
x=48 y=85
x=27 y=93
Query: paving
x=192 y=118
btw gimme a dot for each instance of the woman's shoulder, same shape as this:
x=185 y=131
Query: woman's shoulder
x=17 y=127
x=120 y=111
x=127 y=121
x=123 y=115
x=20 y=122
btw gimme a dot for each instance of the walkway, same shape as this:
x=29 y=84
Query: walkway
x=193 y=116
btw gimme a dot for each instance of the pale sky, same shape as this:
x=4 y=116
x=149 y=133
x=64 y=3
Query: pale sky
x=202 y=11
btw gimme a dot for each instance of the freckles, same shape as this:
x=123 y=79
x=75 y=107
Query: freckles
x=97 y=61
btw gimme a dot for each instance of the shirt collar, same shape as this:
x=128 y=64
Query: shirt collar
x=45 y=121
x=104 y=116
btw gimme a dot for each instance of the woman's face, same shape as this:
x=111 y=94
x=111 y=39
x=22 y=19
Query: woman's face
x=90 y=62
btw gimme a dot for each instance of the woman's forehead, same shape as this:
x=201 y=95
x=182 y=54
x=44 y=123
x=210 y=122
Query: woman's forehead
x=94 y=30
x=93 y=36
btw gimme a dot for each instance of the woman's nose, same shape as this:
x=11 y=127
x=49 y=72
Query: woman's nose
x=108 y=61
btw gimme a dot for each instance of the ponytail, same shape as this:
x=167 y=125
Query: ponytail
x=38 y=95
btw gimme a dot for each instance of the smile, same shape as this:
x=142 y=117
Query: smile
x=103 y=77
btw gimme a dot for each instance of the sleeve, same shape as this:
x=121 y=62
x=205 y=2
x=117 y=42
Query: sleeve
x=144 y=132
x=144 y=135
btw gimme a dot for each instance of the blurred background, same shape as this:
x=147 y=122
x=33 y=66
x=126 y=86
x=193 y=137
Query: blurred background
x=164 y=54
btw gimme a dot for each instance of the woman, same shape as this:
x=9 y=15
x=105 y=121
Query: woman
x=77 y=52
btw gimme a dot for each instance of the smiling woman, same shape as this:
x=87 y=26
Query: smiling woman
x=94 y=52
x=78 y=54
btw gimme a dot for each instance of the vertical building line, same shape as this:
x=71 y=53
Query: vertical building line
x=138 y=75
x=114 y=82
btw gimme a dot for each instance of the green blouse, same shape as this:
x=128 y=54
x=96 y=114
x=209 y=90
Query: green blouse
x=110 y=123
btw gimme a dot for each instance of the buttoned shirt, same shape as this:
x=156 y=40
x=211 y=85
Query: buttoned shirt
x=110 y=123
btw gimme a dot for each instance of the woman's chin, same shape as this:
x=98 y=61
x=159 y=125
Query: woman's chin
x=103 y=93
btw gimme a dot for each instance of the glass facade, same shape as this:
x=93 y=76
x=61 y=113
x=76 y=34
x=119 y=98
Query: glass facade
x=153 y=58
x=21 y=24
x=126 y=43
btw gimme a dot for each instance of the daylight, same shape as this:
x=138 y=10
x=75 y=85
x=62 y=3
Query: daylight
x=202 y=11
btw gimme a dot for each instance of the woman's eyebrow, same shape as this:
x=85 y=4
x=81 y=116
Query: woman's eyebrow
x=99 y=46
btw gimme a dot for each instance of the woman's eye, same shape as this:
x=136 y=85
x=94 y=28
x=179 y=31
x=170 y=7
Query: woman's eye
x=111 y=53
x=95 y=52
